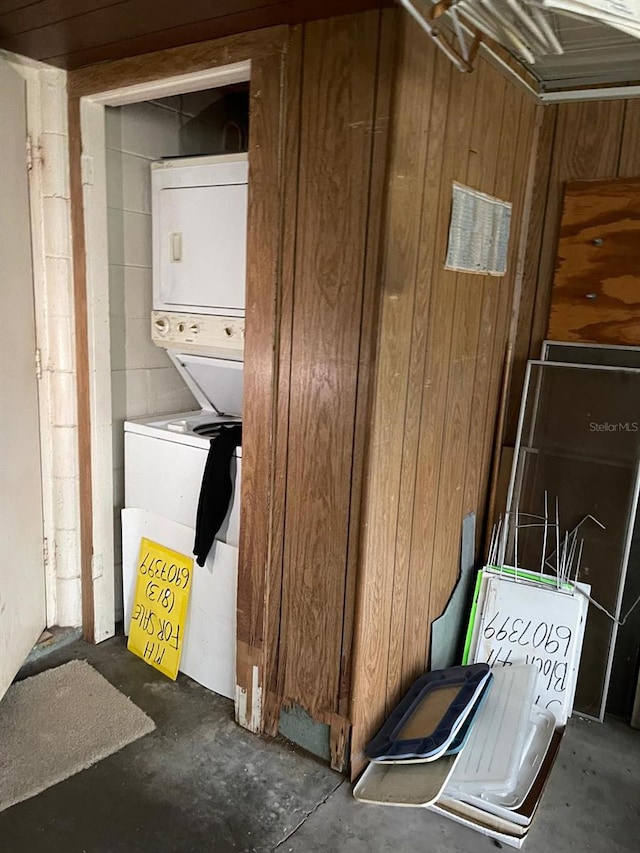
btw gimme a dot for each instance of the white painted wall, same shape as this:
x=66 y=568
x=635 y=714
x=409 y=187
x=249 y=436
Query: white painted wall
x=144 y=381
x=53 y=291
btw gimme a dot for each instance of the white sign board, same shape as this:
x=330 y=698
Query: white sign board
x=534 y=624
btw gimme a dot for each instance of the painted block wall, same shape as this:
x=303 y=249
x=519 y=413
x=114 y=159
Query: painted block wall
x=55 y=335
x=58 y=344
x=144 y=381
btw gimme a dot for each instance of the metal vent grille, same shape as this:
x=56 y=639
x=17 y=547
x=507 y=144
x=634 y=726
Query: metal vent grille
x=478 y=232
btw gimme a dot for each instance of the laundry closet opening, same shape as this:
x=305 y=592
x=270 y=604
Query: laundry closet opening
x=176 y=193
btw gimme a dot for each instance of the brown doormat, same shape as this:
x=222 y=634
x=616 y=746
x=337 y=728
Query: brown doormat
x=58 y=723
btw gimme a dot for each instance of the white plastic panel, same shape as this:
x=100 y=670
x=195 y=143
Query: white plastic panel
x=217 y=384
x=209 y=650
x=164 y=477
x=493 y=753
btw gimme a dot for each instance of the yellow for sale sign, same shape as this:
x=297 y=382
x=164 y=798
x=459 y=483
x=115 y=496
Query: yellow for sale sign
x=159 y=615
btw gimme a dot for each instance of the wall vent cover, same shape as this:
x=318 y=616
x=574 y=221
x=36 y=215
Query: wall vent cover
x=478 y=232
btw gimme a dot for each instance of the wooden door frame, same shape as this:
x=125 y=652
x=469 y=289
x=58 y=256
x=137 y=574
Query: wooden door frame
x=131 y=80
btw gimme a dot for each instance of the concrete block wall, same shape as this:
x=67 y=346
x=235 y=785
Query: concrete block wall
x=59 y=361
x=55 y=335
x=144 y=381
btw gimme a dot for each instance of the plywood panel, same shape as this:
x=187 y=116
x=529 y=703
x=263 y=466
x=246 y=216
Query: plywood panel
x=583 y=141
x=587 y=145
x=338 y=98
x=596 y=290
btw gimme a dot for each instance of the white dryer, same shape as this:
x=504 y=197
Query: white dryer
x=165 y=458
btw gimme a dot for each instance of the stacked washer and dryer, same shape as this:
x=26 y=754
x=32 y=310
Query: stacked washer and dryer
x=199 y=213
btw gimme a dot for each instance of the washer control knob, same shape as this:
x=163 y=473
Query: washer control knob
x=229 y=331
x=194 y=328
x=162 y=325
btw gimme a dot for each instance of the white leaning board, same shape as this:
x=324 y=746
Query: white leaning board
x=527 y=623
x=209 y=650
x=406 y=785
x=493 y=754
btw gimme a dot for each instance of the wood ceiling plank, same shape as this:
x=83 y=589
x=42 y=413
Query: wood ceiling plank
x=118 y=22
x=12 y=5
x=43 y=13
x=130 y=27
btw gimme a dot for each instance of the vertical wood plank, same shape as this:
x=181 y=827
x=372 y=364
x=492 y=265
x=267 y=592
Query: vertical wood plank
x=418 y=571
x=290 y=144
x=427 y=541
x=521 y=180
x=368 y=345
x=403 y=299
x=629 y=166
x=526 y=302
x=401 y=230
x=496 y=291
x=335 y=143
x=262 y=287
x=481 y=174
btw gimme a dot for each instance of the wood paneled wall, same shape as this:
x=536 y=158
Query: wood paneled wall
x=318 y=123
x=441 y=349
x=581 y=141
x=333 y=211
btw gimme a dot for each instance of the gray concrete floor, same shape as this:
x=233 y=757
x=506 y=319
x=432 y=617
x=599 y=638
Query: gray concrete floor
x=200 y=783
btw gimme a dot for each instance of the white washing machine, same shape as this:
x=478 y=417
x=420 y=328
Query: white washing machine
x=164 y=461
